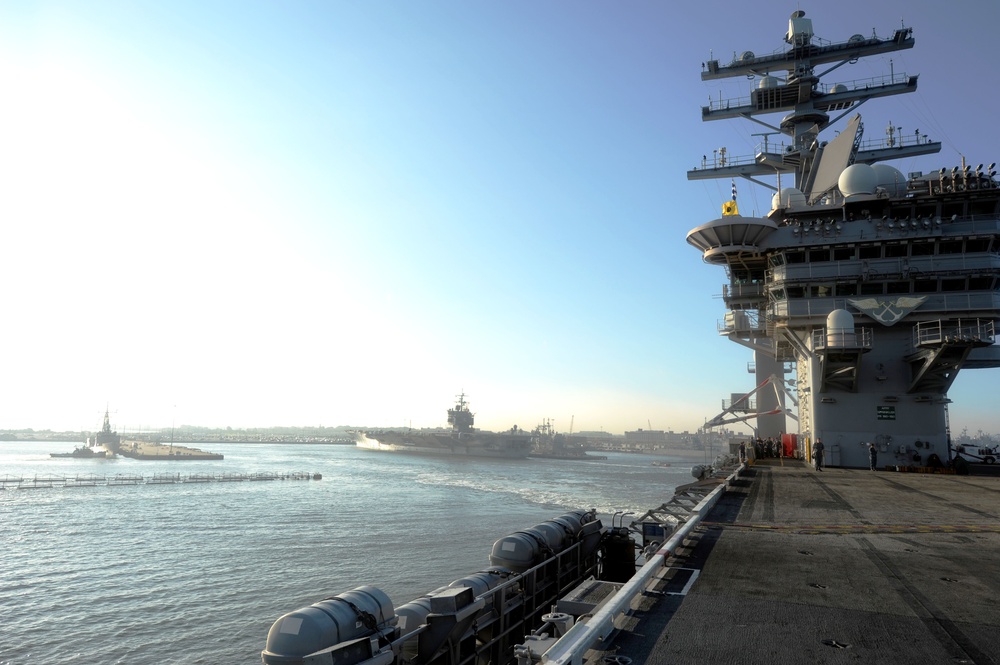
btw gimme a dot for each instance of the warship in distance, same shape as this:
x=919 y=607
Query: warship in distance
x=877 y=287
x=103 y=444
x=462 y=439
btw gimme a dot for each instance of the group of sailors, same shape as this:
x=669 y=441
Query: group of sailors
x=761 y=448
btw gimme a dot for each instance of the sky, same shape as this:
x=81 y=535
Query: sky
x=252 y=214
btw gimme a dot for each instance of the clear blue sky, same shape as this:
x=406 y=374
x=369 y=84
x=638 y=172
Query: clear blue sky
x=302 y=213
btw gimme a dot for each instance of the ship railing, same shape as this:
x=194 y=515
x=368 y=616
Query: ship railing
x=943 y=303
x=888 y=268
x=743 y=405
x=960 y=331
x=587 y=632
x=781 y=54
x=854 y=85
x=747 y=290
x=742 y=320
x=833 y=338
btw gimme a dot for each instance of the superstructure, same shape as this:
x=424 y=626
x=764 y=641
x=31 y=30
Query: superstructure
x=876 y=287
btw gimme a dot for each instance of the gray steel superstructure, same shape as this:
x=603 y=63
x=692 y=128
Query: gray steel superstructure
x=877 y=287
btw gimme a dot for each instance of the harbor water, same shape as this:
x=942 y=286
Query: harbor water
x=198 y=572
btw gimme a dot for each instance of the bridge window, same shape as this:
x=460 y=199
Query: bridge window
x=820 y=291
x=987 y=207
x=816 y=255
x=977 y=245
x=925 y=286
x=897 y=287
x=872 y=288
x=949 y=209
x=950 y=247
x=870 y=252
x=796 y=257
x=981 y=283
x=847 y=289
x=843 y=253
x=953 y=284
x=922 y=249
x=895 y=251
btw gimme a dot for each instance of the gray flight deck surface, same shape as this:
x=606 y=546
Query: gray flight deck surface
x=839 y=566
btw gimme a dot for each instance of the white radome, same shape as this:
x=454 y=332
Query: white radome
x=857 y=179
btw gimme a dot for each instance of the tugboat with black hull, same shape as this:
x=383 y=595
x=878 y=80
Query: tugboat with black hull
x=877 y=287
x=85 y=452
x=461 y=440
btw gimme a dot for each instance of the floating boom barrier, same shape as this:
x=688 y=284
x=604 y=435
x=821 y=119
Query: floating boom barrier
x=9 y=482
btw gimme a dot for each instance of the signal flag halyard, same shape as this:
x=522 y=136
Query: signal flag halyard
x=729 y=207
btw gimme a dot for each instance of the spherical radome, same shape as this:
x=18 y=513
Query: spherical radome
x=788 y=197
x=857 y=179
x=890 y=178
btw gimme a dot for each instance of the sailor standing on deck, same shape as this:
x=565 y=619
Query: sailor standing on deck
x=743 y=452
x=818 y=454
x=872 y=455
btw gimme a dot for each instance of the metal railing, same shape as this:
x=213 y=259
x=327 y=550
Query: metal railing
x=954 y=331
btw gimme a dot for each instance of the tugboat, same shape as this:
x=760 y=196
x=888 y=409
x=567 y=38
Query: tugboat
x=462 y=439
x=85 y=452
x=877 y=287
x=550 y=444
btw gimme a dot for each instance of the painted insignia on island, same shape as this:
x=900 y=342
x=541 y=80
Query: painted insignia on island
x=888 y=311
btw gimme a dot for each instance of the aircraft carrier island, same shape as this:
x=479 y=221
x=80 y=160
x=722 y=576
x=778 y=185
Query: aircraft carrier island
x=876 y=288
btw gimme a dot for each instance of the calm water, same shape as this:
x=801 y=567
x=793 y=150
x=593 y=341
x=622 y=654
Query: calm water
x=197 y=573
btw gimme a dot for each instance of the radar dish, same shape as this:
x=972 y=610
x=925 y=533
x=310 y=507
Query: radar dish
x=832 y=161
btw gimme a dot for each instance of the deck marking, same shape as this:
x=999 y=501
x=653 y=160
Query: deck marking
x=687 y=587
x=859 y=528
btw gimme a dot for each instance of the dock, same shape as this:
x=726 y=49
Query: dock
x=793 y=565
